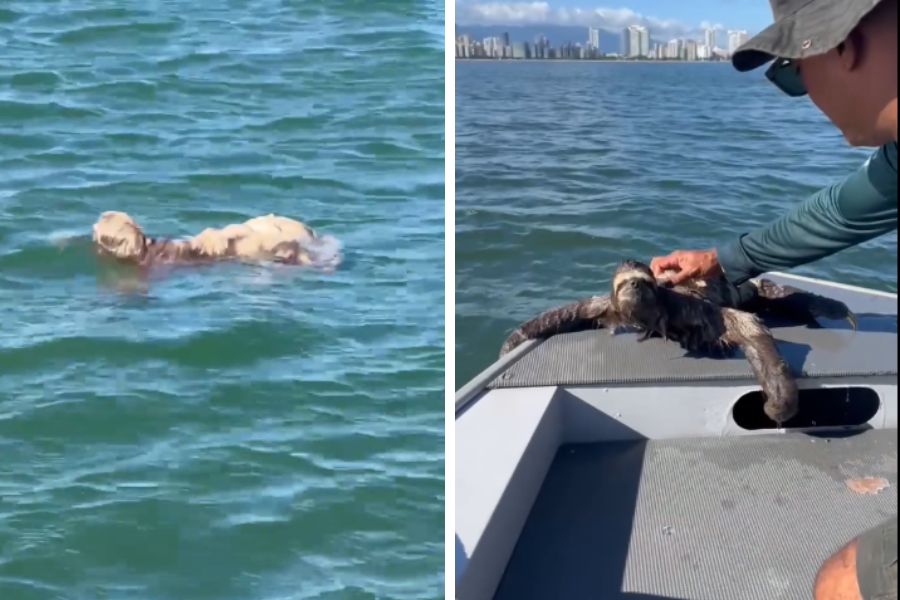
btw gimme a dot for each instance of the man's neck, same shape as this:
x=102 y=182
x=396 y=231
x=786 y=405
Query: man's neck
x=887 y=122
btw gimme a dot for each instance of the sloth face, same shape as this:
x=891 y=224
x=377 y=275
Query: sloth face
x=117 y=234
x=634 y=287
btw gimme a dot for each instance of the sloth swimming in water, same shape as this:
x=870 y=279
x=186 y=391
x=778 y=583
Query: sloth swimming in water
x=712 y=316
x=268 y=237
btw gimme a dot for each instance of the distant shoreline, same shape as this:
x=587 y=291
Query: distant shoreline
x=594 y=60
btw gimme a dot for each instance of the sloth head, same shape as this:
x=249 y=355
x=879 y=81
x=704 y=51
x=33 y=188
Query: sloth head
x=117 y=234
x=634 y=287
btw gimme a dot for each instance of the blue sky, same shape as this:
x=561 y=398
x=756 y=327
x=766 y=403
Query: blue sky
x=733 y=14
x=663 y=17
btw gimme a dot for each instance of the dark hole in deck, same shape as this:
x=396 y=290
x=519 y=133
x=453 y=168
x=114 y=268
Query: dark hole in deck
x=826 y=407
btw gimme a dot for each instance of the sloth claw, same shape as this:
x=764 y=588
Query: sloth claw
x=836 y=310
x=780 y=412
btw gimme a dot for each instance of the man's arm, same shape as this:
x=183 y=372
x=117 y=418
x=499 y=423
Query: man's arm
x=861 y=207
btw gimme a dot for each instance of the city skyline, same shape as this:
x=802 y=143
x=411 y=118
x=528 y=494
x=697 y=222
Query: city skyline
x=635 y=43
x=711 y=36
x=666 y=20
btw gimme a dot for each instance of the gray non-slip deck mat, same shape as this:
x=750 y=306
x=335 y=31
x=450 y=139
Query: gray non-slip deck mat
x=749 y=518
x=832 y=350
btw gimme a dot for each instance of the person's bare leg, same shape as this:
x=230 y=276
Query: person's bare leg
x=836 y=579
x=864 y=569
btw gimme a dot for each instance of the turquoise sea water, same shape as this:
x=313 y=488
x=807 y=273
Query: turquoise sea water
x=564 y=169
x=232 y=431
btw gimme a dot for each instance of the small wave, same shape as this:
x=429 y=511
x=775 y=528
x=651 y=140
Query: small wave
x=9 y=16
x=90 y=34
x=26 y=141
x=134 y=90
x=231 y=179
x=12 y=110
x=63 y=238
x=290 y=124
x=27 y=79
x=325 y=252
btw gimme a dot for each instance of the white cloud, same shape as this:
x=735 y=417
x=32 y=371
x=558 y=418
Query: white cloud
x=540 y=13
x=715 y=26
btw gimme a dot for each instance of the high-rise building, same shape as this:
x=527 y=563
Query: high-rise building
x=505 y=47
x=520 y=50
x=541 y=46
x=498 y=47
x=673 y=49
x=488 y=45
x=465 y=43
x=593 y=37
x=704 y=52
x=635 y=41
x=643 y=41
x=690 y=49
x=736 y=39
x=709 y=37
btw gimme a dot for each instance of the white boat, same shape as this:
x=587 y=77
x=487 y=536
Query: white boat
x=593 y=466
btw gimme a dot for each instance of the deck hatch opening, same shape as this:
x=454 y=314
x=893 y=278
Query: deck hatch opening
x=819 y=407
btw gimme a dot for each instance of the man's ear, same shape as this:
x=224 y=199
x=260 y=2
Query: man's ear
x=850 y=51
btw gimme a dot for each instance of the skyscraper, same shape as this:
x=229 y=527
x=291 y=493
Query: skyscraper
x=541 y=47
x=520 y=50
x=593 y=37
x=465 y=43
x=645 y=42
x=735 y=39
x=690 y=49
x=493 y=47
x=673 y=49
x=709 y=37
x=635 y=41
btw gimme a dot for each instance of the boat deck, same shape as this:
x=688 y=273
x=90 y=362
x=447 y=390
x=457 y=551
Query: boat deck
x=749 y=518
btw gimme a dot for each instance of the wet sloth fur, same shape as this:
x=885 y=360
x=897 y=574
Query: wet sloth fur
x=707 y=316
x=268 y=237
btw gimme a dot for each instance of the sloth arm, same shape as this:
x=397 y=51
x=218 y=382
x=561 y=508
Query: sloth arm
x=796 y=304
x=700 y=325
x=589 y=313
x=771 y=371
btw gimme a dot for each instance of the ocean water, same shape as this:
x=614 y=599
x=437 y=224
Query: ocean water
x=564 y=169
x=230 y=431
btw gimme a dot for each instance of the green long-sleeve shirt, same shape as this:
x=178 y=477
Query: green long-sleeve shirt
x=859 y=208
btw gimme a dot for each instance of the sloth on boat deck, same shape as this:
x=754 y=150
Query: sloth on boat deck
x=702 y=316
x=268 y=237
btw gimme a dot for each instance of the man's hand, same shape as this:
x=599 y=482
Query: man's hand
x=686 y=264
